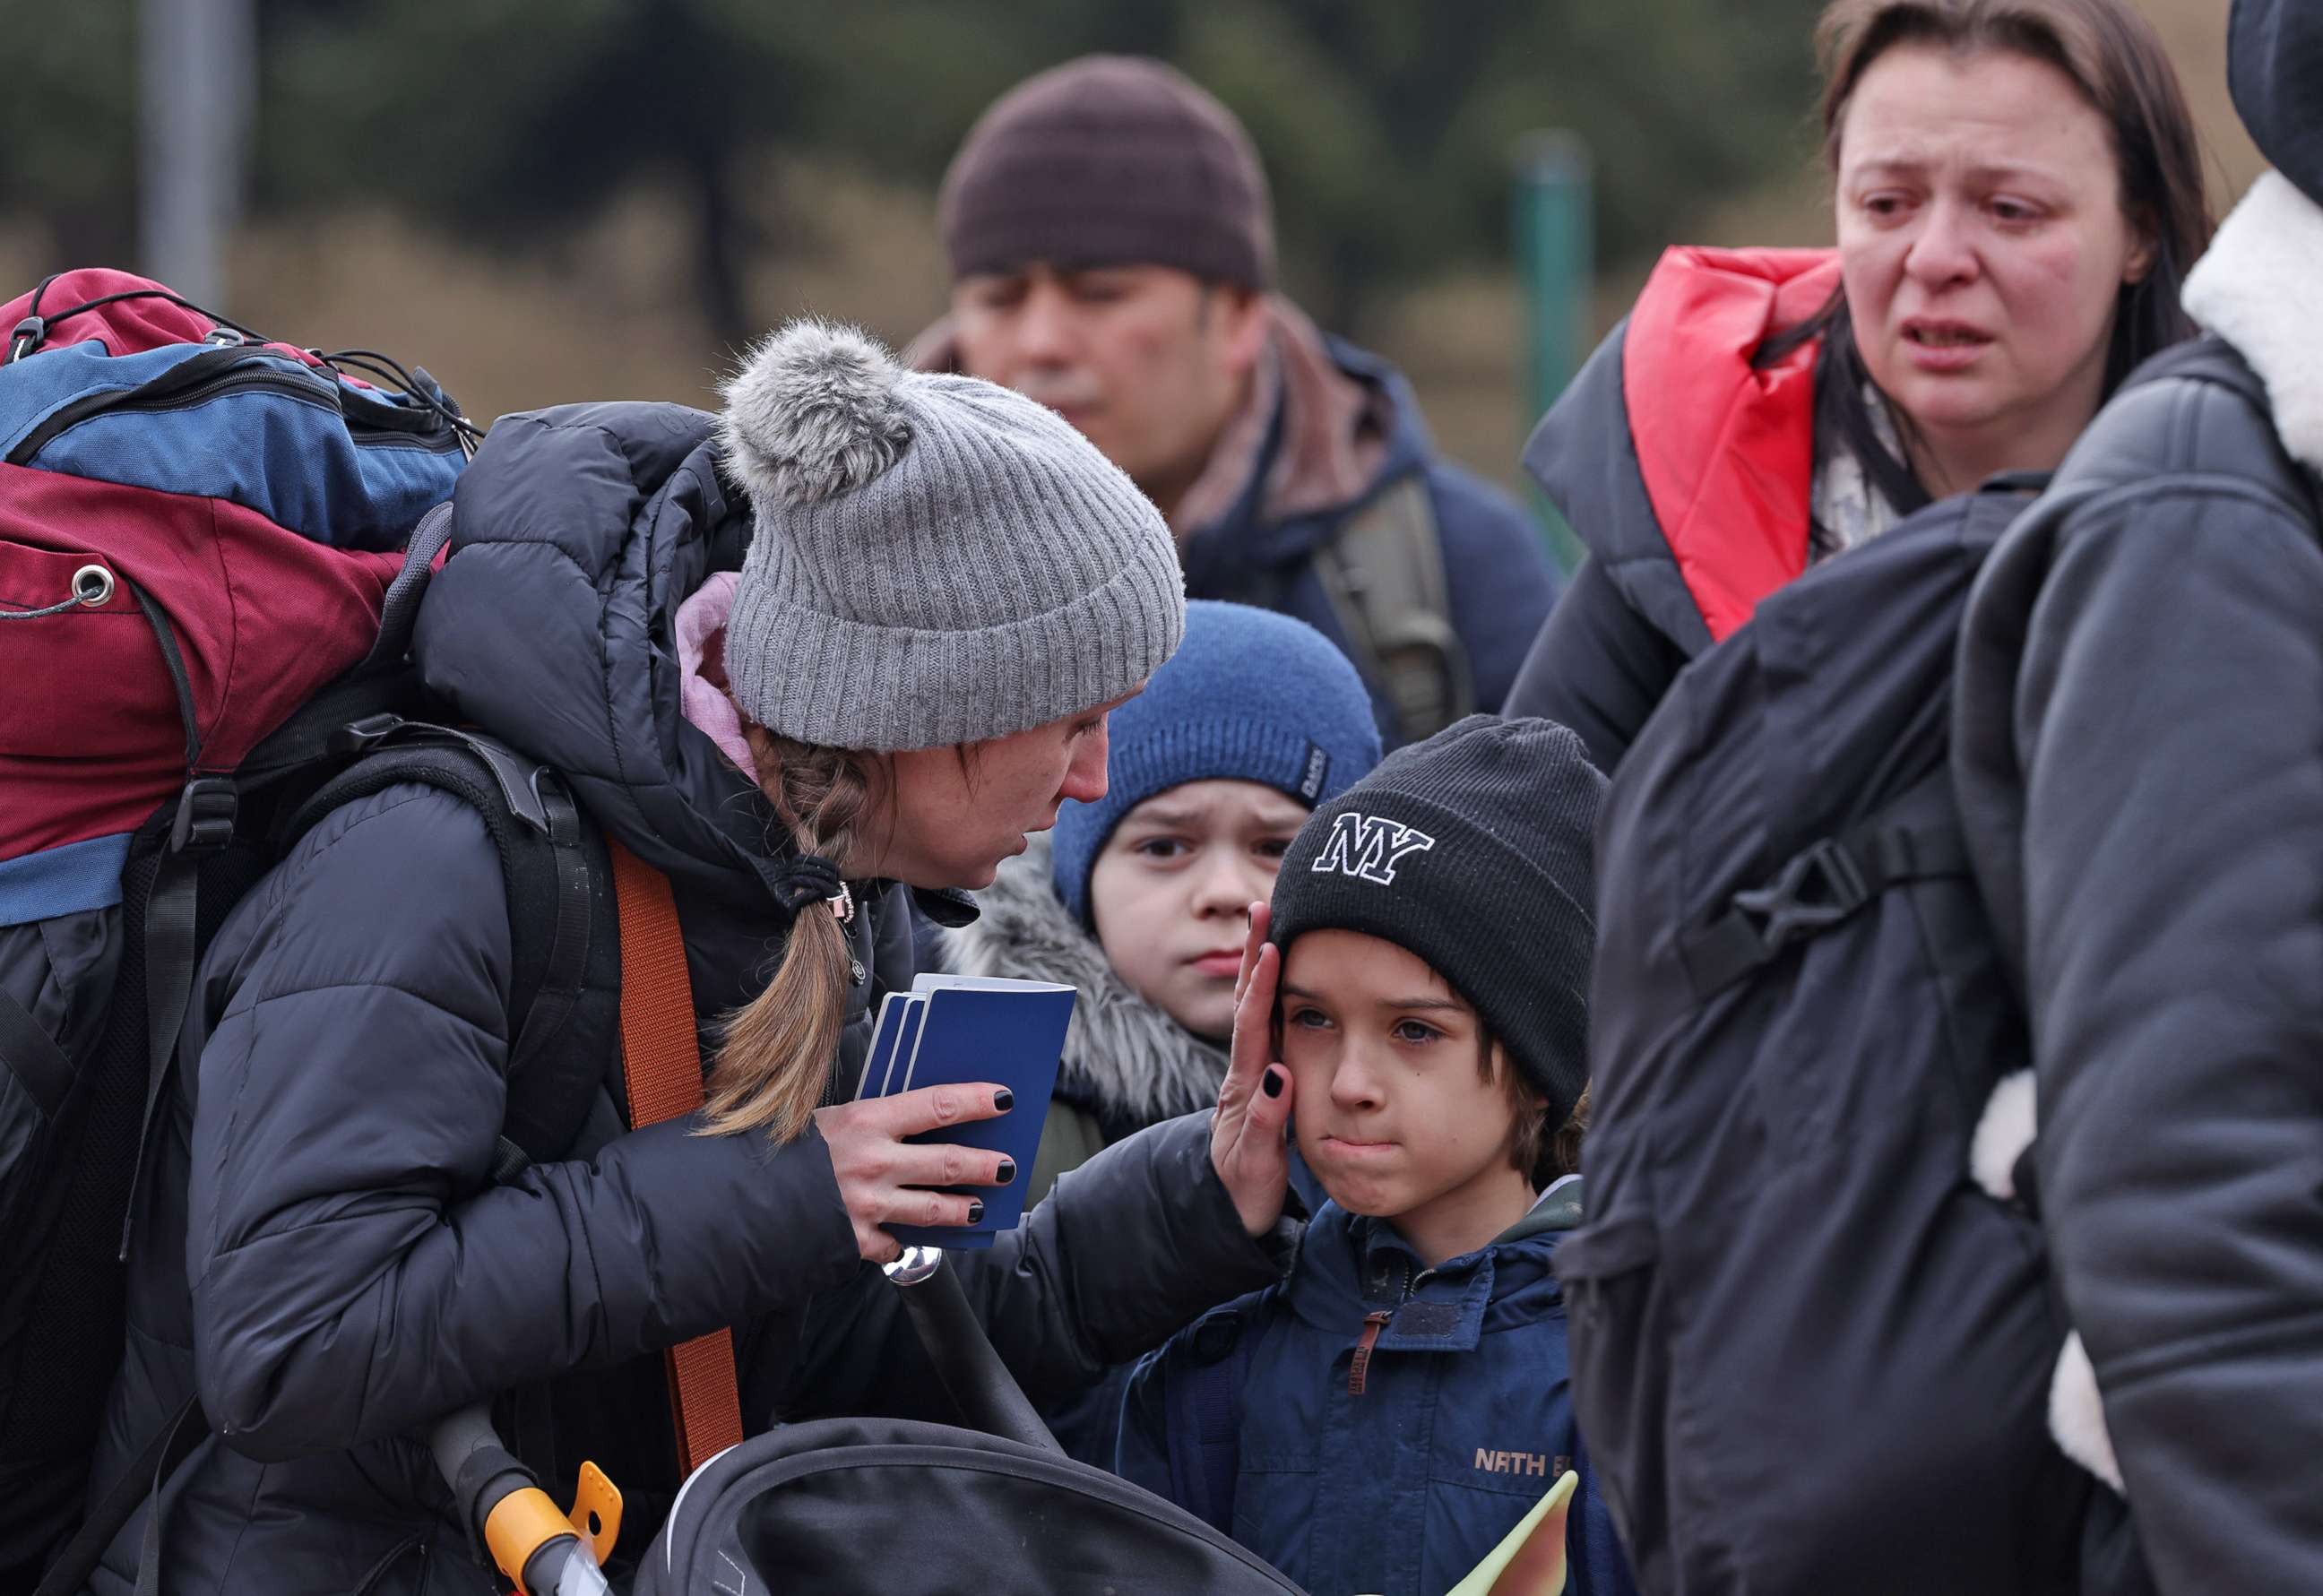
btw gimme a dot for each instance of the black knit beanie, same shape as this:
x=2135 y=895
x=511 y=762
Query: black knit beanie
x=1474 y=850
x=1109 y=160
x=2275 y=71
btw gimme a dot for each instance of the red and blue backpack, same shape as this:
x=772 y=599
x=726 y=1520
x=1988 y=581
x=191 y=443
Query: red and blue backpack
x=212 y=549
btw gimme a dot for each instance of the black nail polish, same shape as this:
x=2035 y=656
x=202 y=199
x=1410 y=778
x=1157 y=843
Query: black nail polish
x=976 y=1210
x=1003 y=1099
x=1270 y=1082
x=1007 y=1170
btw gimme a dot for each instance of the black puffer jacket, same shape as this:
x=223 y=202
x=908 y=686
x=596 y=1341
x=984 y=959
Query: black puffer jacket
x=325 y=1260
x=2139 y=733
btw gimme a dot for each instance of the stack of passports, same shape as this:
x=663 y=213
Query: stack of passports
x=956 y=1030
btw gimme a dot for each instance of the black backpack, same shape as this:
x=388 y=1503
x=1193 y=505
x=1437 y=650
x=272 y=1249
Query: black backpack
x=86 y=1129
x=1809 y=1353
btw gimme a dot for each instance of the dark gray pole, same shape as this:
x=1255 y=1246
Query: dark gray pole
x=197 y=66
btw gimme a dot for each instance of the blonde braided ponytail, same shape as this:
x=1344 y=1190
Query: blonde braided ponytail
x=775 y=1051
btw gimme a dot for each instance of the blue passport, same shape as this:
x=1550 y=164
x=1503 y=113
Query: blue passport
x=954 y=1030
x=900 y=1014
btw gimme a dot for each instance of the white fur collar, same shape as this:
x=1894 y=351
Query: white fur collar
x=1134 y=1061
x=2260 y=286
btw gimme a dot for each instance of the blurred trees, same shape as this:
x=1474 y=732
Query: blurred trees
x=68 y=139
x=1385 y=123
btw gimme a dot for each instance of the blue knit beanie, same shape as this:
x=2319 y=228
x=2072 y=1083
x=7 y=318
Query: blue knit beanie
x=1249 y=696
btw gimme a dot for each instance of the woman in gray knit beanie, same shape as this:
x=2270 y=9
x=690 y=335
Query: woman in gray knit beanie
x=947 y=589
x=898 y=608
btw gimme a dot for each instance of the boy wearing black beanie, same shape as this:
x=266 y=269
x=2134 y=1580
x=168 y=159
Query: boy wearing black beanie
x=1382 y=1418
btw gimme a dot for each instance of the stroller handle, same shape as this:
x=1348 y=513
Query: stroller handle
x=502 y=1504
x=546 y=1552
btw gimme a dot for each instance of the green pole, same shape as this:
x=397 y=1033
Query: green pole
x=1555 y=255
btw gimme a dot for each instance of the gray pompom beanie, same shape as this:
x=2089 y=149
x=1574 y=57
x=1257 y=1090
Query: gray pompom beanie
x=937 y=560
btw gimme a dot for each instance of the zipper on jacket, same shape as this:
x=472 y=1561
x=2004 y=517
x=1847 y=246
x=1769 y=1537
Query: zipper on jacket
x=1405 y=1287
x=241 y=378
x=1360 y=1369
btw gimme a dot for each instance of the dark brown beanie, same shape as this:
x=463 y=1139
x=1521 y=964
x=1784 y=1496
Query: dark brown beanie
x=1109 y=160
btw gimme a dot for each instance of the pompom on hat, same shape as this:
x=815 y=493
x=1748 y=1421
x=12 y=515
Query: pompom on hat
x=937 y=560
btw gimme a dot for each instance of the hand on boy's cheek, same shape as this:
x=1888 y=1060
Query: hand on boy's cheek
x=1247 y=1139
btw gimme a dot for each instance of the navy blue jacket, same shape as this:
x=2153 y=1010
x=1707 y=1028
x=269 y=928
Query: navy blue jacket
x=1496 y=568
x=1463 y=1422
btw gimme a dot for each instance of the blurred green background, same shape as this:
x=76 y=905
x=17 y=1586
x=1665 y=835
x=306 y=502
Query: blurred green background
x=544 y=200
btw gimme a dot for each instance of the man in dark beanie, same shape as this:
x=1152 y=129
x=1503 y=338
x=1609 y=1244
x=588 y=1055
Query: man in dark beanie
x=1423 y=1005
x=1111 y=252
x=2141 y=787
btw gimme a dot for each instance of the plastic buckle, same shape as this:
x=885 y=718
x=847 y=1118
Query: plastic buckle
x=30 y=334
x=1785 y=910
x=361 y=736
x=206 y=815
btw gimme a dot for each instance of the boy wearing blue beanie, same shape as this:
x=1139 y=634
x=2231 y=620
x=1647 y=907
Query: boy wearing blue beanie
x=1140 y=900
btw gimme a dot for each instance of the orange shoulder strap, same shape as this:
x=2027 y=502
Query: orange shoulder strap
x=662 y=1062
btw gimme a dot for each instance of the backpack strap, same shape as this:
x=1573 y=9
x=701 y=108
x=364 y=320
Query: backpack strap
x=1916 y=837
x=398 y=607
x=206 y=817
x=559 y=899
x=148 y=1472
x=1383 y=573
x=662 y=1064
x=30 y=1054
x=204 y=820
x=560 y=927
x=1203 y=1399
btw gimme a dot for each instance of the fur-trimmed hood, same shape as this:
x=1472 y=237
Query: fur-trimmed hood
x=2257 y=286
x=1125 y=1061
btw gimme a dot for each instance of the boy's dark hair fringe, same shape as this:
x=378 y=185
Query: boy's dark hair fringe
x=1544 y=1155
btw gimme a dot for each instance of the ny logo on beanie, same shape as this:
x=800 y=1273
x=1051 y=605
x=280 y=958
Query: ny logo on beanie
x=1369 y=848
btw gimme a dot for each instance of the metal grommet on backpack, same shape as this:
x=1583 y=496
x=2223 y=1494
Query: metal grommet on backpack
x=91 y=588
